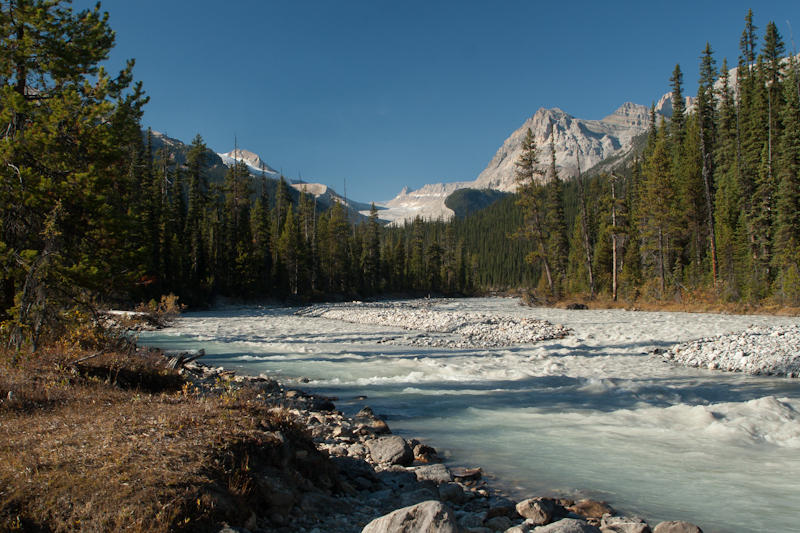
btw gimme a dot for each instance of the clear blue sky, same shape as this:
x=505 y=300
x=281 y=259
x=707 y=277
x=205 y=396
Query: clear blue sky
x=386 y=94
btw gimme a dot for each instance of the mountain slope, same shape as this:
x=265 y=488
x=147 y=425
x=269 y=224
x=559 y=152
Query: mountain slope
x=251 y=159
x=577 y=142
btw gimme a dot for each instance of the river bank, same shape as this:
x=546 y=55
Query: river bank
x=555 y=418
x=380 y=473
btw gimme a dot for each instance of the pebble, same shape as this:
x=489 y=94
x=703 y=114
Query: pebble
x=443 y=328
x=375 y=488
x=758 y=350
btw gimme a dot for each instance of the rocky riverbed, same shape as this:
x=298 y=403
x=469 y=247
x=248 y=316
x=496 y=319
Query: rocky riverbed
x=388 y=483
x=758 y=350
x=439 y=328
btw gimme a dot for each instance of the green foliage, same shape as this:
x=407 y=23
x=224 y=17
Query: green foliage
x=465 y=202
x=68 y=159
x=92 y=210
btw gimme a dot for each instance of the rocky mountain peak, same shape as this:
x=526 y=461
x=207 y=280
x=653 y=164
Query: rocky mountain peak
x=251 y=159
x=629 y=115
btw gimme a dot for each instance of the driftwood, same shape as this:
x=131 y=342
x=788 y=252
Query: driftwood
x=180 y=360
x=82 y=359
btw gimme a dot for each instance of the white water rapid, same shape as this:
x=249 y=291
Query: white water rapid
x=590 y=414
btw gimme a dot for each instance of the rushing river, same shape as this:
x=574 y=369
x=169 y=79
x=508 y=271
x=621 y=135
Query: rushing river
x=587 y=415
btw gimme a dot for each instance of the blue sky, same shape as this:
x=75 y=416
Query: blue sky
x=387 y=94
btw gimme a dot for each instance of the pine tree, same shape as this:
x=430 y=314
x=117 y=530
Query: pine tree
x=585 y=236
x=656 y=221
x=706 y=111
x=787 y=229
x=371 y=253
x=529 y=191
x=290 y=251
x=195 y=214
x=678 y=121
x=727 y=193
x=557 y=245
x=747 y=43
x=259 y=228
x=68 y=129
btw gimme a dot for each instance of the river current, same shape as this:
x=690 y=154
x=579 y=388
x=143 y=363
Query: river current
x=589 y=415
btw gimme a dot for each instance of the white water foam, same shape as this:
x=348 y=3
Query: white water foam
x=591 y=413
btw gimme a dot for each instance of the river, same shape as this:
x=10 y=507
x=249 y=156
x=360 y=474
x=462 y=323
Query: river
x=589 y=415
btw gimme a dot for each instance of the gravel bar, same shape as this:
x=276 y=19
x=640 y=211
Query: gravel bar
x=758 y=350
x=441 y=328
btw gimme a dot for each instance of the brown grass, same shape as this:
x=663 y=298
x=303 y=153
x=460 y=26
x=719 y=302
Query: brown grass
x=121 y=443
x=688 y=302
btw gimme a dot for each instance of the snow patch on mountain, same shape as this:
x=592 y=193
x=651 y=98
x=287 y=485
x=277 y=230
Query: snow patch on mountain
x=578 y=143
x=427 y=202
x=251 y=159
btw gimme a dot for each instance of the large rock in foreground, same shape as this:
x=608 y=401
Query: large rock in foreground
x=568 y=525
x=539 y=511
x=392 y=450
x=677 y=526
x=623 y=524
x=425 y=517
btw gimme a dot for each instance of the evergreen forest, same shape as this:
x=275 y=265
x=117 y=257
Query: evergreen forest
x=93 y=214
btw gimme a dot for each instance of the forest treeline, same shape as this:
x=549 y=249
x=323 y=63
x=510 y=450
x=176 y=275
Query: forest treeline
x=710 y=205
x=93 y=213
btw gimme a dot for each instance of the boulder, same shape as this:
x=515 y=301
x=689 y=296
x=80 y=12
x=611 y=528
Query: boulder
x=438 y=473
x=568 y=525
x=425 y=517
x=676 y=526
x=418 y=496
x=467 y=474
x=498 y=523
x=425 y=454
x=623 y=524
x=365 y=412
x=351 y=468
x=357 y=450
x=538 y=511
x=471 y=520
x=451 y=492
x=397 y=478
x=367 y=423
x=391 y=450
x=591 y=508
x=501 y=506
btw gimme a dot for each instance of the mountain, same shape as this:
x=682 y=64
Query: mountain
x=465 y=202
x=577 y=142
x=252 y=160
x=325 y=197
x=426 y=202
x=178 y=151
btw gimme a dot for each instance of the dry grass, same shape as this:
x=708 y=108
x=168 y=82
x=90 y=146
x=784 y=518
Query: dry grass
x=118 y=442
x=694 y=302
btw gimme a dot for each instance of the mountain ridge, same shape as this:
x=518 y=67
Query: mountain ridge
x=580 y=145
